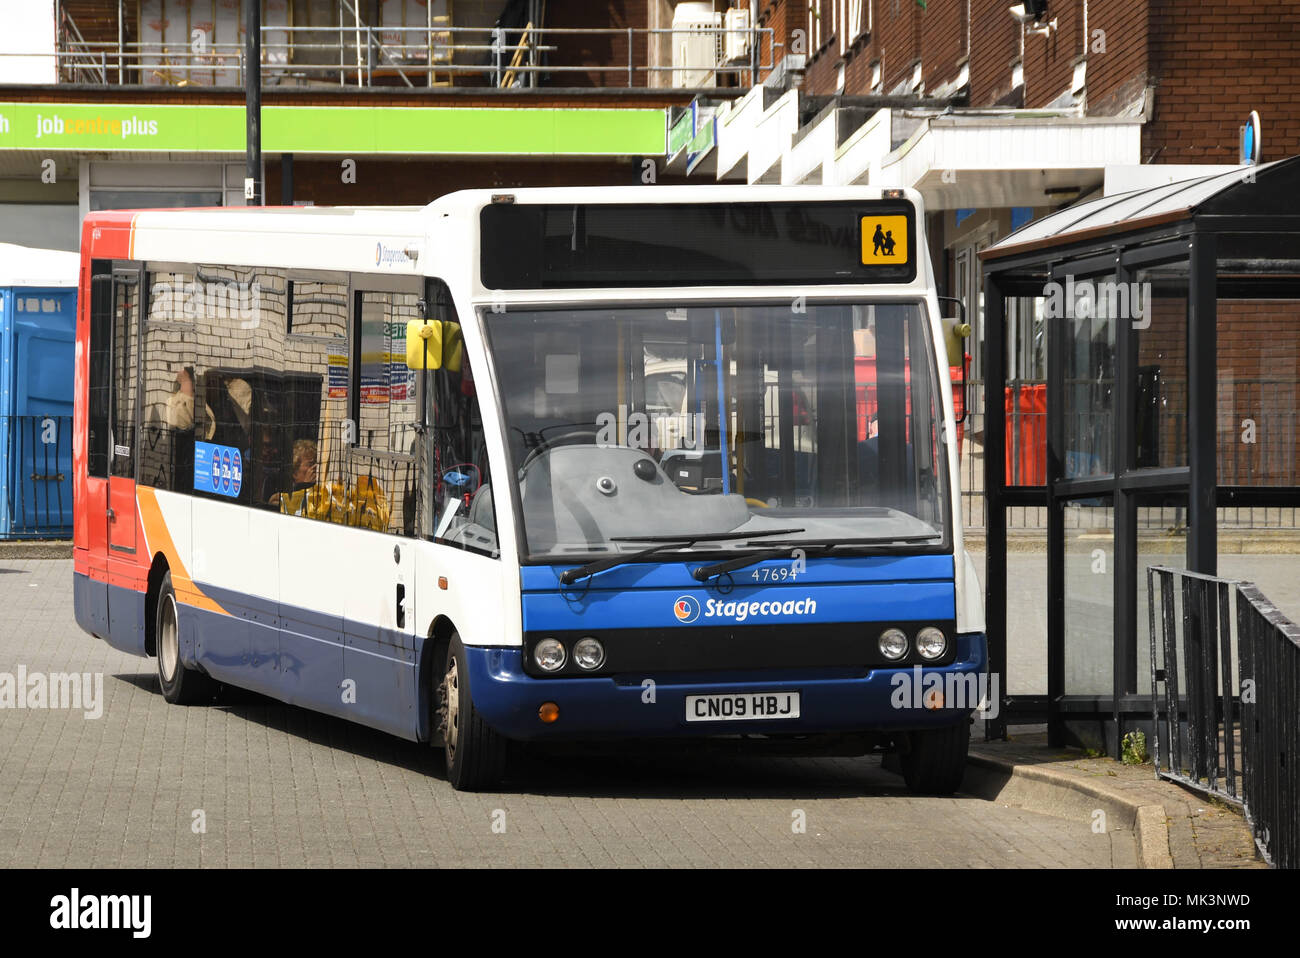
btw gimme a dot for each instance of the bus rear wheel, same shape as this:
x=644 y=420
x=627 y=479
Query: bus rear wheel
x=476 y=754
x=180 y=685
x=936 y=762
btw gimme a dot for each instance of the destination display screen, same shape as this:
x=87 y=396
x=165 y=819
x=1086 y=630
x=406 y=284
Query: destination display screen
x=552 y=246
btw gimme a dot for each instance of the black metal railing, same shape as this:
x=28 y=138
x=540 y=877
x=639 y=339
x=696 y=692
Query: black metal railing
x=1270 y=656
x=1227 y=689
x=36 y=456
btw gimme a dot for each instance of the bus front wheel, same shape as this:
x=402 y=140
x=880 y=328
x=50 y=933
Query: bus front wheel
x=476 y=754
x=180 y=685
x=936 y=762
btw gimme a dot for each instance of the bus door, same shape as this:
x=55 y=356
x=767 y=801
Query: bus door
x=110 y=500
x=124 y=378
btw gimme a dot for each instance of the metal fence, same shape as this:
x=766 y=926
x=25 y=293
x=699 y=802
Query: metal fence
x=36 y=459
x=349 y=54
x=1227 y=720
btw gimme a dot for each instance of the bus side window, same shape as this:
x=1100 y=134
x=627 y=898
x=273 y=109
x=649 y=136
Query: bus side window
x=315 y=417
x=382 y=481
x=101 y=355
x=126 y=342
x=167 y=446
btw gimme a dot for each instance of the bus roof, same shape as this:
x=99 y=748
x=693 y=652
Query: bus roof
x=386 y=239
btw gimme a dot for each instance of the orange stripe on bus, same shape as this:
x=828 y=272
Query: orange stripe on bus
x=158 y=539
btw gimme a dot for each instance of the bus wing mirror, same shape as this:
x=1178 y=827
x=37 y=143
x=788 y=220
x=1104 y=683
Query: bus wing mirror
x=424 y=344
x=453 y=346
x=433 y=344
x=955 y=333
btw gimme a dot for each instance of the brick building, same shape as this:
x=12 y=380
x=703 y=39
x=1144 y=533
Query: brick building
x=1001 y=113
x=996 y=115
x=392 y=102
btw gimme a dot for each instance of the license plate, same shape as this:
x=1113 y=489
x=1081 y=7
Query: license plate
x=744 y=706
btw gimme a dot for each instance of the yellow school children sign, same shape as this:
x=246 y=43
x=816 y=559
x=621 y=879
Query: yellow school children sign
x=884 y=240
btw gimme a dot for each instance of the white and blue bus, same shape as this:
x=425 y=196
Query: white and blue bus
x=545 y=465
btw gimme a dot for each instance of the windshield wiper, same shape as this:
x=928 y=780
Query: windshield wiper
x=661 y=544
x=822 y=546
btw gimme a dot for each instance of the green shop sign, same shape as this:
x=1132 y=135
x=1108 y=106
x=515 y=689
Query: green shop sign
x=324 y=129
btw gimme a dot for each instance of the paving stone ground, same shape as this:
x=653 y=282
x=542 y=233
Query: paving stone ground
x=1204 y=831
x=280 y=786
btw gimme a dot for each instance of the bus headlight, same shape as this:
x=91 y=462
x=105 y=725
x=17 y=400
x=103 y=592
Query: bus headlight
x=549 y=655
x=931 y=643
x=589 y=654
x=893 y=644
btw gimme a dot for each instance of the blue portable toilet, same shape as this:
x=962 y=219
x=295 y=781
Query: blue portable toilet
x=38 y=322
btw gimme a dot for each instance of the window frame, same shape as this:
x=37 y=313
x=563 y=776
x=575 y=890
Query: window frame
x=359 y=284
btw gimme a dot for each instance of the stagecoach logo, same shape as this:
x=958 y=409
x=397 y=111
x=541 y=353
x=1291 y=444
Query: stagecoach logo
x=686 y=608
x=387 y=255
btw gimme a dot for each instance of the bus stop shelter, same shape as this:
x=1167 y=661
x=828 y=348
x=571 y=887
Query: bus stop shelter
x=1170 y=318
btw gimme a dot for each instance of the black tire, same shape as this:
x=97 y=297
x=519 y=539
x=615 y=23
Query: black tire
x=936 y=762
x=476 y=754
x=180 y=685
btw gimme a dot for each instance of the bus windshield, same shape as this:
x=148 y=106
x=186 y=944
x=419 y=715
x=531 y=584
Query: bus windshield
x=817 y=422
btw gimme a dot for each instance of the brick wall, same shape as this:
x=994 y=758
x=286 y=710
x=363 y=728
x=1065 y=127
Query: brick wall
x=1049 y=61
x=1257 y=372
x=896 y=42
x=899 y=29
x=1257 y=375
x=597 y=49
x=995 y=42
x=1117 y=74
x=783 y=17
x=823 y=50
x=415 y=183
x=943 y=41
x=1212 y=63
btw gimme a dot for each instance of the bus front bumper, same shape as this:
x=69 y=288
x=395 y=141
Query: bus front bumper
x=624 y=706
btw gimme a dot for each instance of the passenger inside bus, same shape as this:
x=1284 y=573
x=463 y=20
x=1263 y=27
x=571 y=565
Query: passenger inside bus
x=303 y=475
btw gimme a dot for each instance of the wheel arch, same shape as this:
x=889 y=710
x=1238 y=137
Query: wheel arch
x=429 y=674
x=157 y=570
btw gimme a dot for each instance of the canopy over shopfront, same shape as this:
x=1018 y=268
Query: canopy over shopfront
x=1172 y=319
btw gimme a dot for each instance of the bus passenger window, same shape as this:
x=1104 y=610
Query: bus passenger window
x=101 y=365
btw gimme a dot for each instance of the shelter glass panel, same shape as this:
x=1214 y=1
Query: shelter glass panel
x=1086 y=319
x=1089 y=596
x=1157 y=303
x=1258 y=371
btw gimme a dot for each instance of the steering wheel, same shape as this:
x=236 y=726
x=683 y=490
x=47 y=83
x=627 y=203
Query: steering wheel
x=567 y=438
